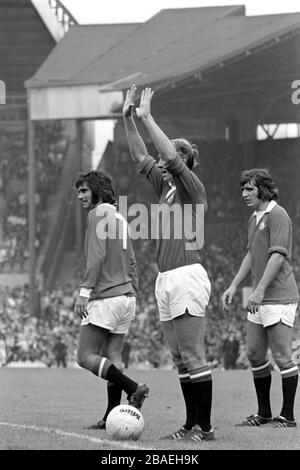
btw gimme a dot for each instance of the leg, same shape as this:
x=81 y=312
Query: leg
x=257 y=348
x=113 y=350
x=190 y=333
x=280 y=336
x=183 y=374
x=91 y=340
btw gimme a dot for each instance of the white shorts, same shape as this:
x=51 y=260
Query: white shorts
x=114 y=314
x=270 y=314
x=187 y=287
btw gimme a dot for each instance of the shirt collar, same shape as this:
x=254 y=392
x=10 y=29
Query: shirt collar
x=270 y=206
x=106 y=204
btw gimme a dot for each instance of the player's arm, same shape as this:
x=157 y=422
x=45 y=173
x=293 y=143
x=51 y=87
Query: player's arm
x=136 y=144
x=162 y=143
x=272 y=269
x=243 y=272
x=280 y=230
x=96 y=250
x=137 y=148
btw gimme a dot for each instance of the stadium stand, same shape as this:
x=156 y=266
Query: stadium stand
x=51 y=145
x=226 y=93
x=33 y=338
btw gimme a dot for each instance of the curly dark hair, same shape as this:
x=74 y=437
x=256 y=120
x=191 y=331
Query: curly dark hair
x=262 y=179
x=100 y=185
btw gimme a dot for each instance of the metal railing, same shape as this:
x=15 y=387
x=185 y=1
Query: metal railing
x=64 y=17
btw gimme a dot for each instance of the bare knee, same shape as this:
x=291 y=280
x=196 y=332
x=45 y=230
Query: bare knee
x=115 y=358
x=255 y=358
x=192 y=358
x=84 y=360
x=282 y=360
x=80 y=360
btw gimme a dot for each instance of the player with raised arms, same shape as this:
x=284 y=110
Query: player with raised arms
x=182 y=286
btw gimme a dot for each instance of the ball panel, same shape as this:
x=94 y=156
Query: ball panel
x=125 y=422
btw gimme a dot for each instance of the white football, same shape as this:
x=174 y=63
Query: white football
x=125 y=422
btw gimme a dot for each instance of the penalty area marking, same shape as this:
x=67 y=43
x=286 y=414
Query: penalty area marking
x=60 y=432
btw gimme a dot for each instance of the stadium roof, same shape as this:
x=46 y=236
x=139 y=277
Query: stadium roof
x=81 y=47
x=171 y=44
x=170 y=47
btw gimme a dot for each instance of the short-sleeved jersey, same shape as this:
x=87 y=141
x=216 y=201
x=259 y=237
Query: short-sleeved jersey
x=110 y=261
x=273 y=233
x=178 y=240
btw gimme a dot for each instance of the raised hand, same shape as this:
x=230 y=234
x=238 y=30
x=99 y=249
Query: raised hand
x=144 y=109
x=129 y=101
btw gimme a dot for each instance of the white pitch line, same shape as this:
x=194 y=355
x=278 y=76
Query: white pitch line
x=60 y=432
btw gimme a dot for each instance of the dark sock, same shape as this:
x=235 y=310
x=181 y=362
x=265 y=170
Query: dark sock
x=114 y=395
x=289 y=387
x=203 y=396
x=262 y=387
x=114 y=375
x=190 y=403
x=105 y=369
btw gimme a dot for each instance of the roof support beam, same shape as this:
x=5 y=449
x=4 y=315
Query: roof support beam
x=31 y=215
x=74 y=102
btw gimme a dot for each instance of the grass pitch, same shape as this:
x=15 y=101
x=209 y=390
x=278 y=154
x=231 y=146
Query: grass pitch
x=48 y=409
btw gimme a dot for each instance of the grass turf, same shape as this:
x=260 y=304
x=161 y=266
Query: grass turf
x=48 y=409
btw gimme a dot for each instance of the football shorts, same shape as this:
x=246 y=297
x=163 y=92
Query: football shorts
x=270 y=314
x=114 y=313
x=187 y=287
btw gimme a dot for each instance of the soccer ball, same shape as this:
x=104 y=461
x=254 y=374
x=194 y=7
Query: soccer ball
x=125 y=422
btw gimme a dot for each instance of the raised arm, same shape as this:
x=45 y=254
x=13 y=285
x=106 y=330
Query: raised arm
x=136 y=144
x=162 y=143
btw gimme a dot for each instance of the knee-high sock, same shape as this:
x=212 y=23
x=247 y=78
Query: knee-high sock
x=105 y=369
x=289 y=386
x=114 y=395
x=202 y=383
x=262 y=381
x=189 y=399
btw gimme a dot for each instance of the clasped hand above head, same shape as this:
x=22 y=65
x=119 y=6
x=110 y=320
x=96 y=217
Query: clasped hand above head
x=144 y=109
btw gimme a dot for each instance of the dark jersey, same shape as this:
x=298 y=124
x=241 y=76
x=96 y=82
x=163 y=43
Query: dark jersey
x=272 y=234
x=180 y=226
x=110 y=266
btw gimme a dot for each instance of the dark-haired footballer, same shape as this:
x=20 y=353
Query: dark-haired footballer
x=106 y=301
x=273 y=303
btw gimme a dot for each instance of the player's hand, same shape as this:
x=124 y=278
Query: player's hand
x=255 y=300
x=227 y=297
x=129 y=101
x=80 y=306
x=145 y=103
